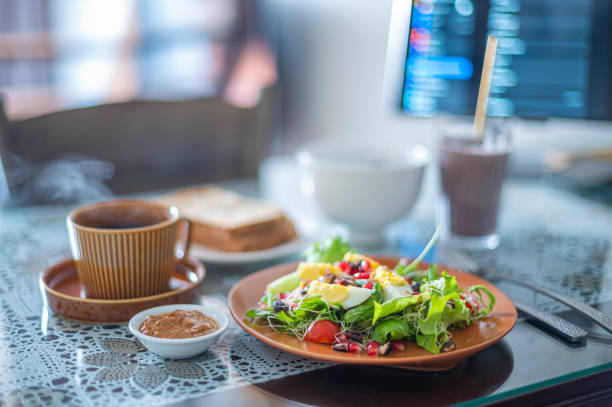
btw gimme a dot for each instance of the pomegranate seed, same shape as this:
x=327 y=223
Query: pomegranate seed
x=373 y=348
x=469 y=302
x=283 y=296
x=342 y=282
x=355 y=347
x=368 y=285
x=344 y=266
x=342 y=338
x=365 y=265
x=294 y=306
x=415 y=293
x=365 y=275
x=398 y=346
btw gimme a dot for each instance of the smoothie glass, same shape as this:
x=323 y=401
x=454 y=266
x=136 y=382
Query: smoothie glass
x=472 y=174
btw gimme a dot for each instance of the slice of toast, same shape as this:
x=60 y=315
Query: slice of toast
x=226 y=221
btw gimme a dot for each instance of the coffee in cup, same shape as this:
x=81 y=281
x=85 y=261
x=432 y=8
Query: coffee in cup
x=126 y=248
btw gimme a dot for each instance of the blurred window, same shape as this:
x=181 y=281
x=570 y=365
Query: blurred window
x=57 y=54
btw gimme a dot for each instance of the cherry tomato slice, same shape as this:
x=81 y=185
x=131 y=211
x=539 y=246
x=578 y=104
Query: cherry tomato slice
x=322 y=331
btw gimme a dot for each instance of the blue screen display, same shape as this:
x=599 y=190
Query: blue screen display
x=553 y=57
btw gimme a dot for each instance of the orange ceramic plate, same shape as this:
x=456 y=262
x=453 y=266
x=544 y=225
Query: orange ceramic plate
x=66 y=297
x=476 y=337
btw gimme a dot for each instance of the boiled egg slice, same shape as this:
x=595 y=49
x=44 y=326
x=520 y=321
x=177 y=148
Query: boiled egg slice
x=312 y=271
x=392 y=292
x=385 y=277
x=348 y=296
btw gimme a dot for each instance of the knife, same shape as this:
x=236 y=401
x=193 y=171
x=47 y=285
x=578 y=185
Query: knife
x=461 y=260
x=554 y=323
x=597 y=316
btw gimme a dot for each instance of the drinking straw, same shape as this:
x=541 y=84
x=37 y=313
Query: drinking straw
x=480 y=117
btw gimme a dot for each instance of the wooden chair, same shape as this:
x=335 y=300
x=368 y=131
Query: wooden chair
x=151 y=144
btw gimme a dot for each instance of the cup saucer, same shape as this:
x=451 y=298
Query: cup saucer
x=66 y=297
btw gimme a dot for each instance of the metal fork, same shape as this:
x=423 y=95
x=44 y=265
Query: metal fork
x=455 y=257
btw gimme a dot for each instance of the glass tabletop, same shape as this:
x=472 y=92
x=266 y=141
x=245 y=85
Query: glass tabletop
x=550 y=235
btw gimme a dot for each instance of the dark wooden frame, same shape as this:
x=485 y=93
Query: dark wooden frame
x=152 y=144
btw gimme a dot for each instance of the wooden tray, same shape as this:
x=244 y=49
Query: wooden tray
x=66 y=297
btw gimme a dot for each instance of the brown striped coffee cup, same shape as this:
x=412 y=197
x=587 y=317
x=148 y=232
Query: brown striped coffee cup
x=126 y=248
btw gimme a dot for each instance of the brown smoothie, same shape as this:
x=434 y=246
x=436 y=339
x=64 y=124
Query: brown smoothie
x=472 y=175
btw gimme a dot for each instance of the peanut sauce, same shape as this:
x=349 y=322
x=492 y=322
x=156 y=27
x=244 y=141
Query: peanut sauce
x=178 y=324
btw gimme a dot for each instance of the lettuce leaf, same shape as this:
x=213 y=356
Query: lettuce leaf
x=253 y=313
x=418 y=275
x=435 y=323
x=478 y=289
x=390 y=330
x=395 y=305
x=328 y=251
x=458 y=315
x=310 y=306
x=310 y=309
x=429 y=342
x=268 y=299
x=377 y=295
x=441 y=286
x=281 y=316
x=433 y=330
x=364 y=312
x=284 y=284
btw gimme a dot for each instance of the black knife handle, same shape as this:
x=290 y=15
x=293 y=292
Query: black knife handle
x=554 y=323
x=600 y=318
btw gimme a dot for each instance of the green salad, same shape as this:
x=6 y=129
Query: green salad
x=350 y=301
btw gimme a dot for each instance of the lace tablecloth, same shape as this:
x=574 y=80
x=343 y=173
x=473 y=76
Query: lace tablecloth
x=50 y=361
x=70 y=363
x=46 y=360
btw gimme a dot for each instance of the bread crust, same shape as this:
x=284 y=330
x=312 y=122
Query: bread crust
x=226 y=221
x=257 y=239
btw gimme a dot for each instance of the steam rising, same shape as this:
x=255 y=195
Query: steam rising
x=70 y=179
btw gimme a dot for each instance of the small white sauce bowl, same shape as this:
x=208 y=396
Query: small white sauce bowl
x=178 y=348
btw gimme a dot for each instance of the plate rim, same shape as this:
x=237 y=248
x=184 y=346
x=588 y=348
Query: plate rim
x=219 y=257
x=438 y=359
x=200 y=269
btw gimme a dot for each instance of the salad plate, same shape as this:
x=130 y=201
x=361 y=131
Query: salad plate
x=476 y=337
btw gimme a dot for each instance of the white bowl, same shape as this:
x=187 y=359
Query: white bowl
x=364 y=185
x=178 y=348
